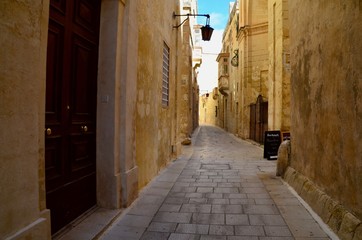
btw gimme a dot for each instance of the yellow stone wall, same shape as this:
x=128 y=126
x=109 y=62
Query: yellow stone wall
x=153 y=120
x=229 y=102
x=262 y=41
x=253 y=58
x=185 y=107
x=326 y=88
x=279 y=66
x=208 y=109
x=24 y=28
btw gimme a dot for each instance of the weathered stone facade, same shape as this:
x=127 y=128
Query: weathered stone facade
x=326 y=110
x=136 y=135
x=254 y=56
x=245 y=57
x=256 y=95
x=279 y=66
x=154 y=119
x=208 y=108
x=160 y=128
x=24 y=27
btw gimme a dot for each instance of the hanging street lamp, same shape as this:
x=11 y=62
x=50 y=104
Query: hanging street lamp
x=206 y=31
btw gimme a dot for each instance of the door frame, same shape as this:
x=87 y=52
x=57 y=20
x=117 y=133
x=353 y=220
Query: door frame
x=116 y=104
x=116 y=166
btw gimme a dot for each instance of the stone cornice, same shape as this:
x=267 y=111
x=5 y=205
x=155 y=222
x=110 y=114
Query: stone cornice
x=250 y=30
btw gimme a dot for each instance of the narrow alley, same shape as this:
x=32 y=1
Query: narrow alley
x=220 y=188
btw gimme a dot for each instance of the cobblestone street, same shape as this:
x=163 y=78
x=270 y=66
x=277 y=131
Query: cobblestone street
x=220 y=188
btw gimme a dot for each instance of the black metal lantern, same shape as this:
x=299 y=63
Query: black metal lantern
x=206 y=31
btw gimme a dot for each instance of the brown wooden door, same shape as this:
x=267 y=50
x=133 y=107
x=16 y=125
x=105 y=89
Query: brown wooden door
x=253 y=121
x=71 y=89
x=258 y=120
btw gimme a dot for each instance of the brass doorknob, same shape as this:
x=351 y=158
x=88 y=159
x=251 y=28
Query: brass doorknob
x=48 y=131
x=84 y=128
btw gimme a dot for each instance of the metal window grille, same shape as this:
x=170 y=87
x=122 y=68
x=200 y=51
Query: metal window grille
x=165 y=75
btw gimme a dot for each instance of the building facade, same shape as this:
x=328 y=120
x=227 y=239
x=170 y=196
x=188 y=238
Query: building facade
x=279 y=66
x=228 y=76
x=254 y=70
x=326 y=111
x=208 y=108
x=87 y=79
x=244 y=81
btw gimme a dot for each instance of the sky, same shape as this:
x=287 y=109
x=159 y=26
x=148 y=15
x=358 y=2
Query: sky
x=219 y=14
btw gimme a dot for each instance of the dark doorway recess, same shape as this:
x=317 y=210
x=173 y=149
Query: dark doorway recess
x=258 y=119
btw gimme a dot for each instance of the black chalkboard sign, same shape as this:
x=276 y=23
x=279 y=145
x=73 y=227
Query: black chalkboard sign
x=272 y=140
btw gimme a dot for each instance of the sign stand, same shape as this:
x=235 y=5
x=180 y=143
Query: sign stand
x=271 y=144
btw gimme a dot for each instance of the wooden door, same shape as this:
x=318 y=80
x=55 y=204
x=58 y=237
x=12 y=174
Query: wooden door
x=253 y=121
x=71 y=90
x=258 y=120
x=264 y=120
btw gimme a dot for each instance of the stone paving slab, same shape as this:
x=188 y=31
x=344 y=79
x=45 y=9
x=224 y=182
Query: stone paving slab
x=223 y=190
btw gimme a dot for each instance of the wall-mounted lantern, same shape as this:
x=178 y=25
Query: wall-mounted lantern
x=206 y=31
x=235 y=59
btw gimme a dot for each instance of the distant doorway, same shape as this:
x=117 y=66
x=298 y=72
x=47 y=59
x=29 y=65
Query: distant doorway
x=258 y=119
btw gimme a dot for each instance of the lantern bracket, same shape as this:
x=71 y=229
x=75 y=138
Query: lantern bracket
x=191 y=15
x=206 y=30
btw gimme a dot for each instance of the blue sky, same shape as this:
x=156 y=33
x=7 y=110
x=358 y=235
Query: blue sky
x=218 y=10
x=219 y=14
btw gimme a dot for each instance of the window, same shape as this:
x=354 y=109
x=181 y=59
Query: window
x=165 y=75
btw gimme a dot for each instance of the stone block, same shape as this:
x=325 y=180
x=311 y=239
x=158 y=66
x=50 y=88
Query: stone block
x=120 y=231
x=180 y=236
x=260 y=209
x=283 y=158
x=162 y=227
x=198 y=200
x=193 y=228
x=237 y=219
x=205 y=218
x=170 y=207
x=277 y=231
x=336 y=218
x=155 y=236
x=135 y=221
x=305 y=229
x=173 y=217
x=268 y=220
x=249 y=230
x=196 y=208
x=219 y=201
x=221 y=230
x=358 y=233
x=320 y=204
x=299 y=182
x=348 y=226
x=227 y=209
x=289 y=175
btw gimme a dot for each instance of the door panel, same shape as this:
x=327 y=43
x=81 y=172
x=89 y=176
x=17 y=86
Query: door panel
x=71 y=90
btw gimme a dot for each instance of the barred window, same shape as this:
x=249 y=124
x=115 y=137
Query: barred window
x=165 y=75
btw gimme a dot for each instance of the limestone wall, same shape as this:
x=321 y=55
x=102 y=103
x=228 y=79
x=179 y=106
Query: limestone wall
x=253 y=65
x=326 y=88
x=279 y=66
x=24 y=28
x=208 y=109
x=153 y=120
